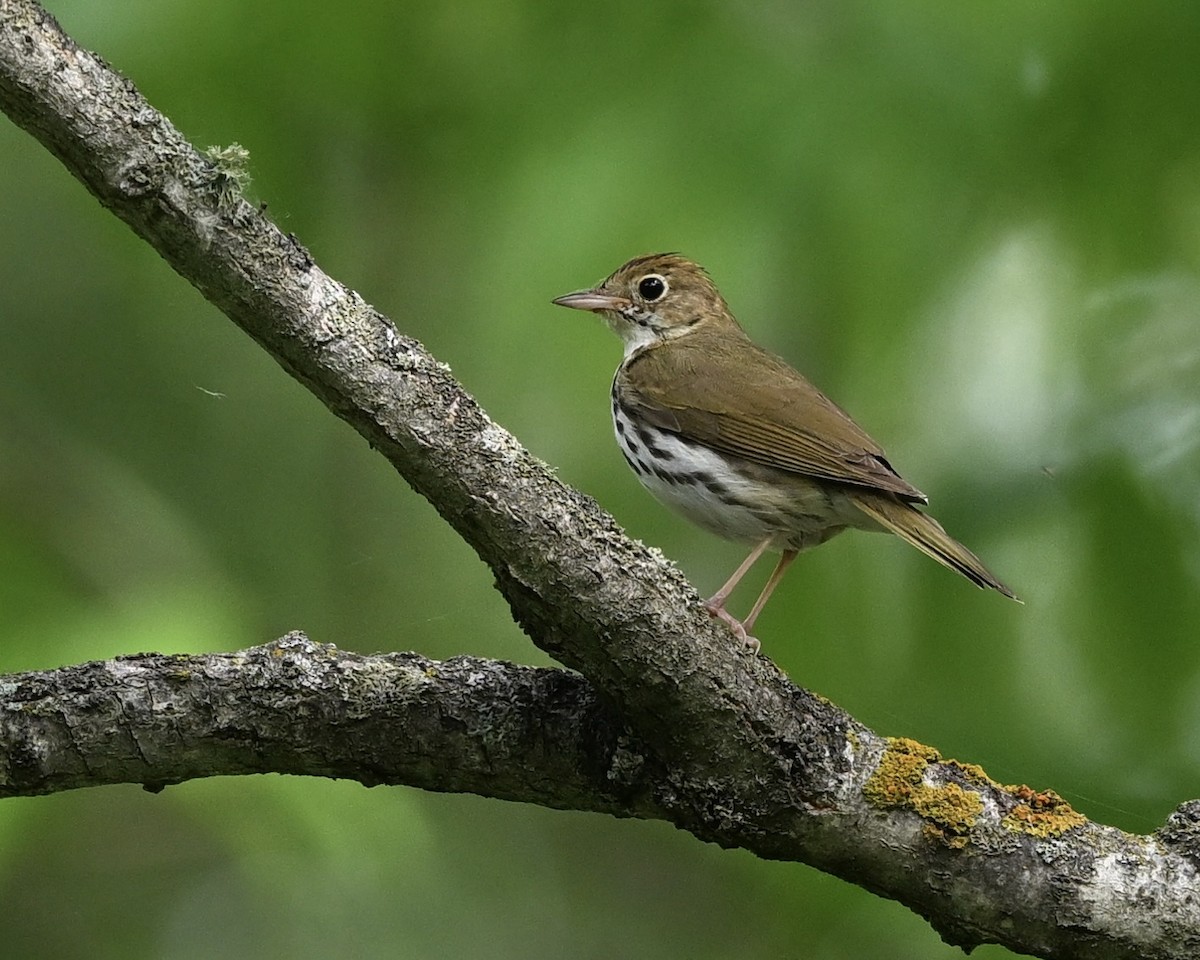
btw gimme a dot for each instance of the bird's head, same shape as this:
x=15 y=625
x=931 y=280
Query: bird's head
x=653 y=298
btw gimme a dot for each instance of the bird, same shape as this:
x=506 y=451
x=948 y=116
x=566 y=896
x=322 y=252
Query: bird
x=737 y=441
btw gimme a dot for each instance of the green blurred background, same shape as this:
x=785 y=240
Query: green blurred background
x=976 y=226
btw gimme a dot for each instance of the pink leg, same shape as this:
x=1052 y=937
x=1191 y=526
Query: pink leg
x=785 y=561
x=715 y=605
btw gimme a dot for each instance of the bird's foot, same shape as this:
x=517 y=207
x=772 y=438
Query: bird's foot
x=718 y=612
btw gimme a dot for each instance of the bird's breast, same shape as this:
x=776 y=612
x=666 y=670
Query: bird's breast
x=728 y=496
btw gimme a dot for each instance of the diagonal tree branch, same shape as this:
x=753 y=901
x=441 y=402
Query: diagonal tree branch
x=672 y=721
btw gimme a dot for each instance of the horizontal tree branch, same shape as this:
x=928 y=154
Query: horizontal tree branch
x=681 y=724
x=543 y=736
x=467 y=725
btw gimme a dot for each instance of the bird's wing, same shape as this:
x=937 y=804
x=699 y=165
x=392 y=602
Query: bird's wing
x=731 y=395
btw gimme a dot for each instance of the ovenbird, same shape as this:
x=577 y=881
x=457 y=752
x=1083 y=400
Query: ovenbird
x=740 y=443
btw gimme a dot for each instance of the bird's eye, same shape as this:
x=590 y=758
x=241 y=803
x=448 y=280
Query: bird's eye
x=652 y=287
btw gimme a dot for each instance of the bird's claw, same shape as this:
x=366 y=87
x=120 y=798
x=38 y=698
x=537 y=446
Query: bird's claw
x=718 y=612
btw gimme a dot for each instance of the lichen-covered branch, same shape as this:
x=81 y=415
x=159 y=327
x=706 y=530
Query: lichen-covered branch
x=713 y=739
x=543 y=736
x=293 y=706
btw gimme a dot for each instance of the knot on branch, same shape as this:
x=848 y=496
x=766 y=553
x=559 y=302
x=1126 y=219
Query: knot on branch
x=1182 y=830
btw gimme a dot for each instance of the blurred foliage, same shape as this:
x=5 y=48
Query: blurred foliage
x=976 y=226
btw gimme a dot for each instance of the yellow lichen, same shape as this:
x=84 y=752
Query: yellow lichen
x=899 y=782
x=1040 y=814
x=973 y=773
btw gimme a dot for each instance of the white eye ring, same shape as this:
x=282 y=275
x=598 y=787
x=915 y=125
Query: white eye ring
x=652 y=287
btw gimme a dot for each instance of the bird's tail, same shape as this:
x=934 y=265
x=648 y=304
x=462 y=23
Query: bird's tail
x=927 y=535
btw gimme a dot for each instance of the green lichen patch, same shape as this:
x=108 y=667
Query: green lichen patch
x=230 y=163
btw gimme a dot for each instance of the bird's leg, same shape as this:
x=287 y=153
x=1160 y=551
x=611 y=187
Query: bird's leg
x=715 y=605
x=785 y=561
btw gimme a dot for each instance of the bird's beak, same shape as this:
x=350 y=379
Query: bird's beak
x=592 y=300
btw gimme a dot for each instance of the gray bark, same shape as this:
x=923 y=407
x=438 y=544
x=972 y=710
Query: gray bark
x=665 y=717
